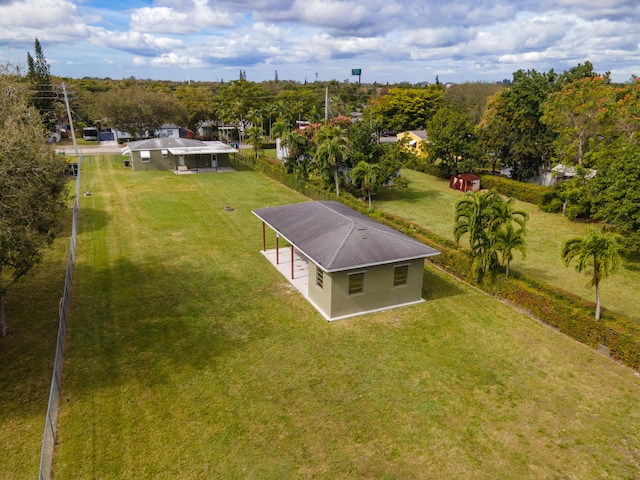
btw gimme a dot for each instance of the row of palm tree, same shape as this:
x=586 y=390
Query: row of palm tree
x=496 y=230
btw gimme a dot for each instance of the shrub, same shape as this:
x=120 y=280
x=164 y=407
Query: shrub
x=526 y=192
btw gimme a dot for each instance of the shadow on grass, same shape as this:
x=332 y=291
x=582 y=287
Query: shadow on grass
x=406 y=195
x=437 y=285
x=92 y=219
x=146 y=323
x=28 y=350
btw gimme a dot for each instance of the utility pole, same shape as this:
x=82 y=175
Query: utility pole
x=73 y=132
x=326 y=104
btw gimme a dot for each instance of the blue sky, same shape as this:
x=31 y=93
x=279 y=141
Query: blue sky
x=390 y=40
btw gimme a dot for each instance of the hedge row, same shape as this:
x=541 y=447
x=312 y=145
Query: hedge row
x=527 y=192
x=568 y=313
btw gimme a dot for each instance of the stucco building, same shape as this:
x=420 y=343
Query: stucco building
x=354 y=264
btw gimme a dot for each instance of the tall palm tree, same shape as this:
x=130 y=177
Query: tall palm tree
x=270 y=110
x=597 y=251
x=509 y=239
x=332 y=151
x=367 y=175
x=255 y=139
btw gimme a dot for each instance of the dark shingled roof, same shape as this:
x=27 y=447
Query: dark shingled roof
x=335 y=237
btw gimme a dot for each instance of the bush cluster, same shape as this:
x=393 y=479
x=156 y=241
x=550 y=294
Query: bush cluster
x=568 y=313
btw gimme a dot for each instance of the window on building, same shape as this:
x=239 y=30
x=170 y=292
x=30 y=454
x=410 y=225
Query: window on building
x=165 y=153
x=400 y=274
x=145 y=156
x=319 y=278
x=356 y=283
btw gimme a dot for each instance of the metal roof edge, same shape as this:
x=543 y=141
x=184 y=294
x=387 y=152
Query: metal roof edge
x=375 y=264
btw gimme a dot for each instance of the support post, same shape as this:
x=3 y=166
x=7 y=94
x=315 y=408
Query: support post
x=264 y=238
x=277 y=250
x=292 y=262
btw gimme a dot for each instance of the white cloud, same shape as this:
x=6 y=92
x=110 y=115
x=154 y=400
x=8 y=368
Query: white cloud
x=135 y=42
x=191 y=18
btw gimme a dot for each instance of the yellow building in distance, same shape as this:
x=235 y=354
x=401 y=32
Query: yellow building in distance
x=415 y=140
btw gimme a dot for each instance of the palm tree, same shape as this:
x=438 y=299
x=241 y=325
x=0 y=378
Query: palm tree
x=475 y=215
x=488 y=219
x=597 y=250
x=508 y=239
x=270 y=110
x=255 y=139
x=280 y=128
x=367 y=175
x=332 y=151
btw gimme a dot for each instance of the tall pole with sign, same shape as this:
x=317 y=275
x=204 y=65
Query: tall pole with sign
x=358 y=72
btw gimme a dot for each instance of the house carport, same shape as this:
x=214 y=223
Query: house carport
x=336 y=242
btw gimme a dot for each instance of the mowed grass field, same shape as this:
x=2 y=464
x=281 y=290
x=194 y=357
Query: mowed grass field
x=190 y=357
x=26 y=359
x=428 y=201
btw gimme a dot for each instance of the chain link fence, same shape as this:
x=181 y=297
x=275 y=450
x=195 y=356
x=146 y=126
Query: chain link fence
x=51 y=422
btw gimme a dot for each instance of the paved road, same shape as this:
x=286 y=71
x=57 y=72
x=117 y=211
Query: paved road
x=103 y=148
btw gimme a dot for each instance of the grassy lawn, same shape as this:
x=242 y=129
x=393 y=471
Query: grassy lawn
x=428 y=201
x=190 y=357
x=26 y=356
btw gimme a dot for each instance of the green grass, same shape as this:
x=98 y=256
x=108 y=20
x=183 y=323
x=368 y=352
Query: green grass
x=26 y=356
x=189 y=356
x=428 y=201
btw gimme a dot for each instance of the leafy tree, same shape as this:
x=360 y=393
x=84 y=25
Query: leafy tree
x=363 y=144
x=39 y=75
x=472 y=98
x=615 y=192
x=198 y=102
x=453 y=141
x=332 y=152
x=137 y=111
x=298 y=159
x=513 y=121
x=598 y=253
x=368 y=177
x=627 y=111
x=32 y=185
x=576 y=201
x=579 y=114
x=489 y=221
x=404 y=109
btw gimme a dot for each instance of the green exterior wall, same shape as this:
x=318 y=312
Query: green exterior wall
x=170 y=162
x=378 y=290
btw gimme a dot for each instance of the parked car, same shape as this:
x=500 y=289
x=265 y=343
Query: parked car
x=388 y=133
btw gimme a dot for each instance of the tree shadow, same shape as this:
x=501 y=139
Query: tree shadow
x=145 y=323
x=130 y=324
x=92 y=219
x=408 y=195
x=437 y=285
